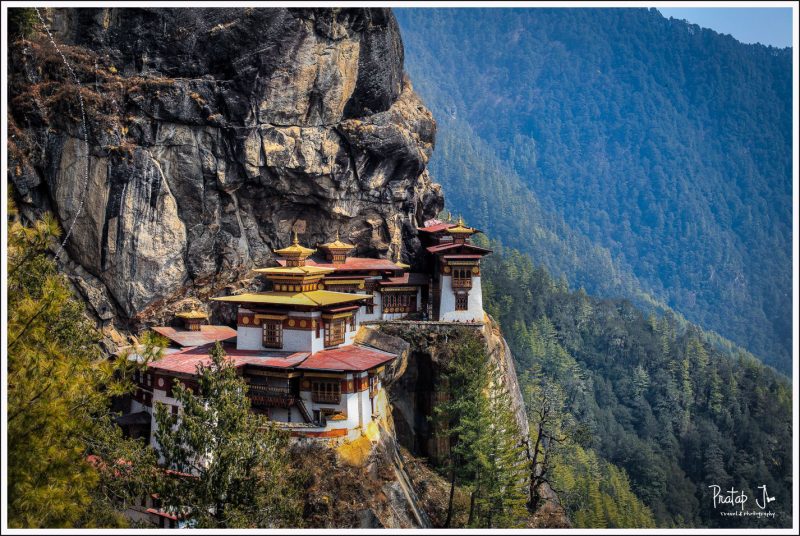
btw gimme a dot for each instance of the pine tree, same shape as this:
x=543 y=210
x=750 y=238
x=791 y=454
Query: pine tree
x=233 y=464
x=544 y=403
x=503 y=479
x=463 y=416
x=68 y=464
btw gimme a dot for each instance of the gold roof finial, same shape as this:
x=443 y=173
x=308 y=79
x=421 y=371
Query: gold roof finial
x=295 y=251
x=192 y=314
x=337 y=244
x=460 y=228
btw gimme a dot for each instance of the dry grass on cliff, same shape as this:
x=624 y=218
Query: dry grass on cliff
x=337 y=495
x=434 y=492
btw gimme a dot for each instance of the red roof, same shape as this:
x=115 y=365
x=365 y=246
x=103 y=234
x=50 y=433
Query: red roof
x=463 y=257
x=448 y=246
x=187 y=361
x=344 y=277
x=185 y=337
x=413 y=279
x=436 y=227
x=347 y=358
x=353 y=264
x=344 y=358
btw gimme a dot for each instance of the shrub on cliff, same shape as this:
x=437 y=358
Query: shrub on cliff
x=234 y=465
x=68 y=464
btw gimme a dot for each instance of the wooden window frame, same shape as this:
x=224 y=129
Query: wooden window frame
x=332 y=328
x=275 y=329
x=326 y=392
x=462 y=301
x=462 y=277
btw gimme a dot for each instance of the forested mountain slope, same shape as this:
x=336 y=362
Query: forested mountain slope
x=641 y=403
x=637 y=155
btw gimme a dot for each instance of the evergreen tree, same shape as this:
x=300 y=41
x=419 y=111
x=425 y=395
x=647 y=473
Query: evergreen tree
x=503 y=479
x=652 y=421
x=232 y=465
x=463 y=415
x=68 y=464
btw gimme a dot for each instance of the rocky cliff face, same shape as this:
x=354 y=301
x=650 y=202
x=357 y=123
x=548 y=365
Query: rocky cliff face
x=212 y=134
x=414 y=385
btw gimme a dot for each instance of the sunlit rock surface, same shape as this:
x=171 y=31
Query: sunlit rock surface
x=212 y=134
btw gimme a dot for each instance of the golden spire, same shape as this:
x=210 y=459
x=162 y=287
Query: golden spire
x=460 y=228
x=337 y=244
x=192 y=314
x=337 y=250
x=295 y=254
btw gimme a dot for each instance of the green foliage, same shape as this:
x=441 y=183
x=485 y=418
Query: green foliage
x=486 y=454
x=68 y=464
x=640 y=156
x=21 y=22
x=235 y=463
x=645 y=414
x=597 y=493
x=500 y=497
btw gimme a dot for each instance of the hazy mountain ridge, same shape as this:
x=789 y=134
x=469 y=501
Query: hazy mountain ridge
x=663 y=144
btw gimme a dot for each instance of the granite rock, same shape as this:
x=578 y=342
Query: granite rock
x=213 y=133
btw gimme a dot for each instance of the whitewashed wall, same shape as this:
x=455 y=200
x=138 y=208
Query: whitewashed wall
x=447 y=304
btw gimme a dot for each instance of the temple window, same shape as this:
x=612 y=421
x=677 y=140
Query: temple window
x=329 y=392
x=462 y=301
x=334 y=332
x=373 y=385
x=396 y=302
x=272 y=334
x=462 y=277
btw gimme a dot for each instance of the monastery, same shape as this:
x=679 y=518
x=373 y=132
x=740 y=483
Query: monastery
x=295 y=340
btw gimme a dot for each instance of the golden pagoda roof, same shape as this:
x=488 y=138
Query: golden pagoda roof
x=314 y=298
x=337 y=244
x=460 y=228
x=295 y=270
x=195 y=314
x=295 y=250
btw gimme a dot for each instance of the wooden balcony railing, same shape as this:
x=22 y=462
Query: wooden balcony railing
x=326 y=398
x=269 y=390
x=270 y=396
x=462 y=282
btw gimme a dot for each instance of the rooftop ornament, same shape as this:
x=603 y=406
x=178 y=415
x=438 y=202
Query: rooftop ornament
x=295 y=254
x=460 y=228
x=337 y=250
x=192 y=315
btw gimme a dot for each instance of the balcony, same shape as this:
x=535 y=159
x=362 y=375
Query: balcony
x=465 y=282
x=270 y=396
x=326 y=398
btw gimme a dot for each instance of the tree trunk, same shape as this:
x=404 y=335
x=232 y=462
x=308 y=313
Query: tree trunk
x=452 y=493
x=533 y=499
x=471 y=507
